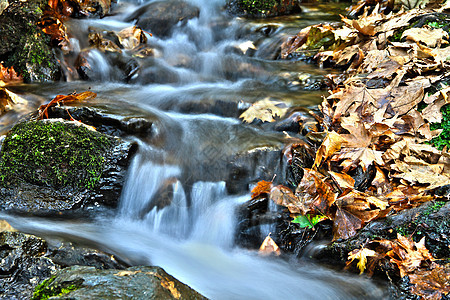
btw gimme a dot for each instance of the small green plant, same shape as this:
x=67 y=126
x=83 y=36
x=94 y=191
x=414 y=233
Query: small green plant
x=258 y=6
x=307 y=221
x=443 y=140
x=46 y=290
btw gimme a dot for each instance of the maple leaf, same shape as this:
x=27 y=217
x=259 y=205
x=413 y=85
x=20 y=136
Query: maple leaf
x=269 y=247
x=332 y=143
x=282 y=195
x=344 y=181
x=431 y=284
x=431 y=37
x=408 y=255
x=361 y=255
x=264 y=110
x=262 y=187
x=345 y=224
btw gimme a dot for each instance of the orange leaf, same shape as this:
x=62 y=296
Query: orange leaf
x=262 y=187
x=269 y=247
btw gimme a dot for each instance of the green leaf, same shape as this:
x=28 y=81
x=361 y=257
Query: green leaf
x=303 y=221
x=307 y=221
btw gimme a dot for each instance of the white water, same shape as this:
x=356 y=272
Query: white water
x=193 y=237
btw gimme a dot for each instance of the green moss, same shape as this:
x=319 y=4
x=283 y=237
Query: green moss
x=53 y=154
x=443 y=140
x=258 y=6
x=46 y=290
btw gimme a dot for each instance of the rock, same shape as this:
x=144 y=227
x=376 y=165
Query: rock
x=160 y=17
x=80 y=282
x=24 y=46
x=22 y=264
x=103 y=122
x=55 y=166
x=262 y=9
x=26 y=260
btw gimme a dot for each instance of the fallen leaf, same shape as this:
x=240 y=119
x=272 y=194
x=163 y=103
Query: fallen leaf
x=282 y=195
x=269 y=247
x=345 y=224
x=431 y=37
x=264 y=110
x=332 y=143
x=262 y=187
x=361 y=255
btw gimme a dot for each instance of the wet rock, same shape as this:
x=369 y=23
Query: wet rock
x=55 y=166
x=160 y=17
x=27 y=260
x=264 y=163
x=105 y=123
x=80 y=282
x=115 y=66
x=22 y=264
x=24 y=46
x=262 y=9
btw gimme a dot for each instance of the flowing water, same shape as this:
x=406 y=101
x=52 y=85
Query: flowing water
x=193 y=91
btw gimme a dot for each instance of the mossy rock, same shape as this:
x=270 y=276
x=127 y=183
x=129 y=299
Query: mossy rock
x=60 y=165
x=24 y=45
x=86 y=283
x=263 y=8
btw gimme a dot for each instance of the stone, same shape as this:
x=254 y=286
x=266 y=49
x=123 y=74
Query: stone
x=160 y=17
x=81 y=282
x=24 y=46
x=54 y=166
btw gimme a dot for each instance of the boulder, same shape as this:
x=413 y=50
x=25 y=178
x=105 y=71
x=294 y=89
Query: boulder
x=81 y=282
x=54 y=166
x=160 y=17
x=24 y=46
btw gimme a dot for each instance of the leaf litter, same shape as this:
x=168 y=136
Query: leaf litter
x=379 y=119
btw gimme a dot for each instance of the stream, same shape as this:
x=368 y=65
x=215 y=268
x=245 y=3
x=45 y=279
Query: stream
x=193 y=92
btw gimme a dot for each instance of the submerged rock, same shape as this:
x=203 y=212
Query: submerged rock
x=24 y=46
x=160 y=17
x=54 y=166
x=80 y=282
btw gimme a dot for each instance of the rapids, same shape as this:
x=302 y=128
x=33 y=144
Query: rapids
x=193 y=91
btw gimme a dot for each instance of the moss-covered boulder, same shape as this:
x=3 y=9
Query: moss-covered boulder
x=86 y=283
x=263 y=8
x=56 y=165
x=24 y=46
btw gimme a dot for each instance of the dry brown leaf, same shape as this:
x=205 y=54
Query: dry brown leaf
x=345 y=224
x=269 y=247
x=431 y=284
x=431 y=37
x=344 y=181
x=4 y=226
x=131 y=37
x=332 y=143
x=282 y=195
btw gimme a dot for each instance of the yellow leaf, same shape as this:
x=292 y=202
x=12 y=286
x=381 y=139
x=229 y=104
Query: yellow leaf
x=361 y=255
x=332 y=143
x=264 y=110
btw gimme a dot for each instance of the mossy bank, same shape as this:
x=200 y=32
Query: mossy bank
x=60 y=165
